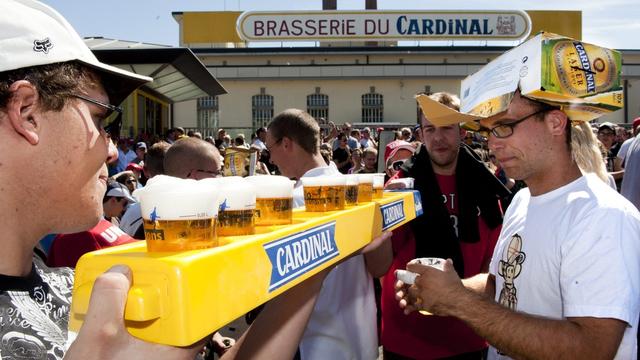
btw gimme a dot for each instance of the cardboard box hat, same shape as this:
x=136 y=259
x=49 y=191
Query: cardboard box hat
x=582 y=79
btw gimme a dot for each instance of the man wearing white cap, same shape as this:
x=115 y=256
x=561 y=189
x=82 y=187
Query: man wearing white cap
x=115 y=201
x=55 y=98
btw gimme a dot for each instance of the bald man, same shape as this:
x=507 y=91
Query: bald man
x=192 y=158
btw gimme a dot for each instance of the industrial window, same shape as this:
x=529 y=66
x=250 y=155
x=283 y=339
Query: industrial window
x=262 y=109
x=372 y=107
x=208 y=115
x=318 y=105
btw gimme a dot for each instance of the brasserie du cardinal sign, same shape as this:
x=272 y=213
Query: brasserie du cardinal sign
x=383 y=25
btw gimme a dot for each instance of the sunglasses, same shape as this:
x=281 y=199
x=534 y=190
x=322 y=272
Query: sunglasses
x=210 y=173
x=130 y=181
x=396 y=165
x=505 y=130
x=113 y=127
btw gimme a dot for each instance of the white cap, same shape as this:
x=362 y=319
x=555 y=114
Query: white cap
x=34 y=34
x=116 y=189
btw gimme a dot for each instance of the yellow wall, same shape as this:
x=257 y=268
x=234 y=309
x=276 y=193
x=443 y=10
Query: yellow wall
x=567 y=23
x=210 y=27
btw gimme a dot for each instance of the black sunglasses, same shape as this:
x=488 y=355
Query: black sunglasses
x=396 y=165
x=113 y=127
x=212 y=173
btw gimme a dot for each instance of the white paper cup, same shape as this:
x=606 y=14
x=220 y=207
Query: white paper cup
x=402 y=183
x=409 y=277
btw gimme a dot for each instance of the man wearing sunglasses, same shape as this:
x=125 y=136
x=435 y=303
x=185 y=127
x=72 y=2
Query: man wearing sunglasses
x=192 y=158
x=54 y=99
x=563 y=281
x=461 y=221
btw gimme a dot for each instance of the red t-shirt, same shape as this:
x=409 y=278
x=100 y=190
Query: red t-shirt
x=430 y=337
x=67 y=249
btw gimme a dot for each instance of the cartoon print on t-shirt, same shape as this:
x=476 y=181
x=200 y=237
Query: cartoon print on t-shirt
x=509 y=269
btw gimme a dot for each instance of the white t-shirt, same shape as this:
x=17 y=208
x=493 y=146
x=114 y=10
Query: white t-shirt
x=622 y=152
x=257 y=142
x=343 y=323
x=572 y=252
x=631 y=181
x=131 y=219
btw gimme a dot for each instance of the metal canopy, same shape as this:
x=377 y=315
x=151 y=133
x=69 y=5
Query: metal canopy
x=177 y=73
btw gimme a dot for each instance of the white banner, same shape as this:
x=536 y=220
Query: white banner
x=383 y=25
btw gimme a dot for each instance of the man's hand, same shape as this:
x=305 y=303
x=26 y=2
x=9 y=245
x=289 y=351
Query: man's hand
x=434 y=290
x=222 y=344
x=103 y=334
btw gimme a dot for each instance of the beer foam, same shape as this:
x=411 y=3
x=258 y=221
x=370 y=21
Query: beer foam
x=169 y=198
x=378 y=180
x=337 y=180
x=271 y=187
x=236 y=193
x=365 y=178
x=352 y=179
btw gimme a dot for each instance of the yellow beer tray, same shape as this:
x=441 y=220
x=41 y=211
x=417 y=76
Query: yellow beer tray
x=178 y=298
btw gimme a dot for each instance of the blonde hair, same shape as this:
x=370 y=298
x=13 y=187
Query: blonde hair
x=585 y=151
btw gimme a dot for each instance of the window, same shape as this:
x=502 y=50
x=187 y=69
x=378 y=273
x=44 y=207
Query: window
x=262 y=109
x=153 y=115
x=372 y=107
x=318 y=105
x=208 y=115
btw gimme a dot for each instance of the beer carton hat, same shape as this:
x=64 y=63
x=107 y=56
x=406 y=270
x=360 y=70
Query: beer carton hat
x=582 y=79
x=34 y=34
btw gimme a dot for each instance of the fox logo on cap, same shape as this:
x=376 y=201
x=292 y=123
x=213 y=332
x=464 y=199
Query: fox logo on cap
x=42 y=45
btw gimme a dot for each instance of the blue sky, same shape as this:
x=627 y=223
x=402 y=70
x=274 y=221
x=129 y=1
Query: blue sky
x=610 y=23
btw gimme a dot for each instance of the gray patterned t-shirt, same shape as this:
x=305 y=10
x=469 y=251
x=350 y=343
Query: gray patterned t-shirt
x=34 y=313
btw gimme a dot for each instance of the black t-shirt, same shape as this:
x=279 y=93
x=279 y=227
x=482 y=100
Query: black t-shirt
x=34 y=313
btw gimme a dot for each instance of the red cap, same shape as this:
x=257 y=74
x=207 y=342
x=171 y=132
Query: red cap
x=393 y=147
x=636 y=123
x=134 y=167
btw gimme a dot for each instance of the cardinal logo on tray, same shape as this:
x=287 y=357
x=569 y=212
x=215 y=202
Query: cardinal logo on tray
x=392 y=214
x=296 y=255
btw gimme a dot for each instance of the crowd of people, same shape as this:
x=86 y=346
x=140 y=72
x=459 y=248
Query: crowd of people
x=536 y=217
